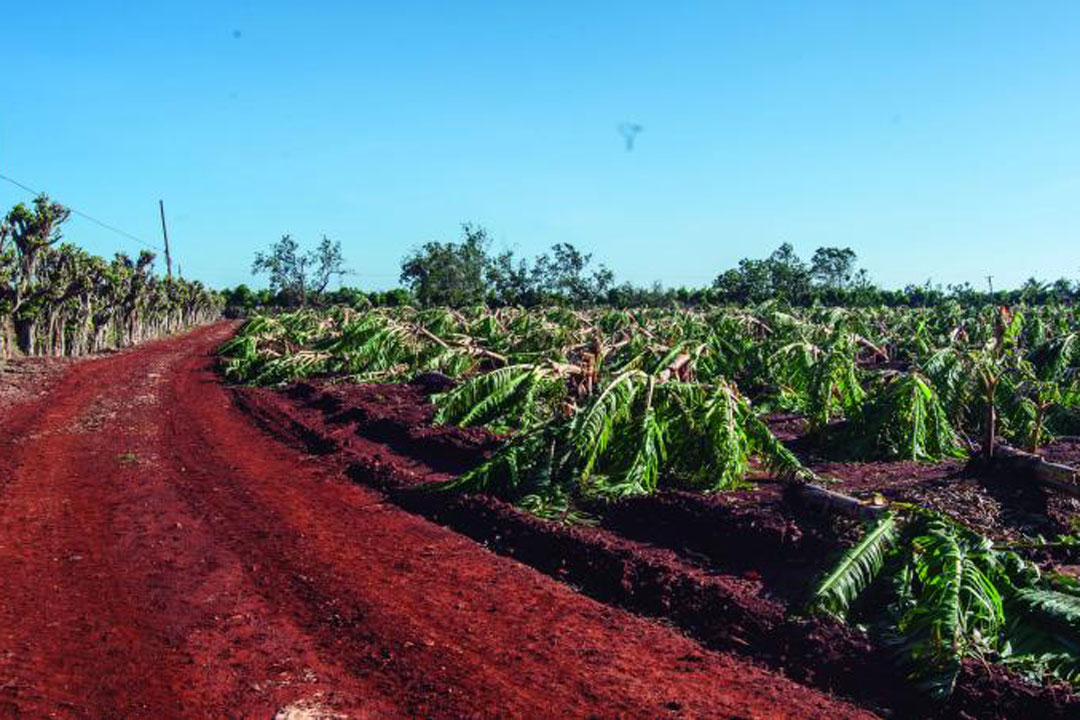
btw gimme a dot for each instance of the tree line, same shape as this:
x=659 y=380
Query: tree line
x=57 y=299
x=467 y=272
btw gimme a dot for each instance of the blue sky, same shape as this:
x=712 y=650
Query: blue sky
x=938 y=140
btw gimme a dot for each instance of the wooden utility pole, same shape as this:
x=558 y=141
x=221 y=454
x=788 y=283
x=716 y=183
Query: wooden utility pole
x=990 y=282
x=165 y=232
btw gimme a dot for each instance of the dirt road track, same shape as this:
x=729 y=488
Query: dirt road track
x=160 y=557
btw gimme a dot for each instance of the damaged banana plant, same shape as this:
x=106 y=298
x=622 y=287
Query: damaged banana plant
x=871 y=383
x=904 y=420
x=643 y=427
x=940 y=594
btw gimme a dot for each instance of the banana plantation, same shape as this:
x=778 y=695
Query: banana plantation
x=57 y=299
x=859 y=427
x=874 y=384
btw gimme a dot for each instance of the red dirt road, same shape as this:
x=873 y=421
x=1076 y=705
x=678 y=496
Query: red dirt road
x=160 y=557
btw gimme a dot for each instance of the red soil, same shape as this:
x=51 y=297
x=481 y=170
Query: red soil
x=160 y=557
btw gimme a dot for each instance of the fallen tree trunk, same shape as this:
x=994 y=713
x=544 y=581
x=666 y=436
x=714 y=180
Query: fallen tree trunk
x=1006 y=460
x=1052 y=475
x=818 y=497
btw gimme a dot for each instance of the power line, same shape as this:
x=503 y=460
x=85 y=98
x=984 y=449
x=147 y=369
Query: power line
x=83 y=215
x=19 y=184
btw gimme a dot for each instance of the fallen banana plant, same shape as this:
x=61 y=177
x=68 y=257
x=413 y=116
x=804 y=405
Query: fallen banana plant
x=633 y=435
x=905 y=421
x=939 y=593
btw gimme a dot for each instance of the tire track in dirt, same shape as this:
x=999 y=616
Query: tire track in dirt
x=160 y=557
x=114 y=600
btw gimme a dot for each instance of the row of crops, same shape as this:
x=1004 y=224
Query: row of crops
x=58 y=299
x=600 y=405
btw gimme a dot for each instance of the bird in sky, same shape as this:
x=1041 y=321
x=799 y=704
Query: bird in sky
x=629 y=132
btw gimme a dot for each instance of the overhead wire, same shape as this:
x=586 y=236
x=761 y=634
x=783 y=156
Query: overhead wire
x=85 y=216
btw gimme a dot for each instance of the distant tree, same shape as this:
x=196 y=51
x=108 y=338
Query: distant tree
x=833 y=267
x=963 y=293
x=266 y=298
x=298 y=277
x=1034 y=291
x=788 y=275
x=565 y=276
x=511 y=282
x=1063 y=290
x=353 y=297
x=397 y=297
x=748 y=283
x=240 y=297
x=782 y=275
x=831 y=278
x=449 y=273
x=326 y=263
x=925 y=295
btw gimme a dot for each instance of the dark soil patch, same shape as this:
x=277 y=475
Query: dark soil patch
x=755 y=534
x=27 y=379
x=1005 y=508
x=1065 y=451
x=398 y=416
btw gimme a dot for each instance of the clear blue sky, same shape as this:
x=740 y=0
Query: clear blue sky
x=938 y=140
